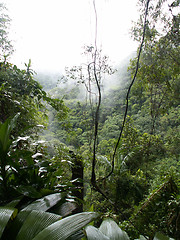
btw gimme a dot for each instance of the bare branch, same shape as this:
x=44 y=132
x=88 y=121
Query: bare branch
x=96 y=120
x=129 y=89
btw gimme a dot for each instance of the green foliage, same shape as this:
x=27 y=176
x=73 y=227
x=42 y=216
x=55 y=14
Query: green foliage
x=19 y=92
x=130 y=190
x=147 y=158
x=33 y=222
x=157 y=206
x=5 y=143
x=24 y=168
x=158 y=75
x=5 y=214
x=6 y=47
x=110 y=230
x=142 y=156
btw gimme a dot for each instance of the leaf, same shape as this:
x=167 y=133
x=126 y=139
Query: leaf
x=45 y=203
x=160 y=236
x=42 y=204
x=66 y=208
x=95 y=234
x=112 y=230
x=29 y=191
x=141 y=238
x=77 y=236
x=5 y=214
x=5 y=130
x=36 y=222
x=13 y=203
x=66 y=227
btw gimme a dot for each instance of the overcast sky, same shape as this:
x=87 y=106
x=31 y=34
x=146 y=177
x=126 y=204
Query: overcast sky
x=52 y=33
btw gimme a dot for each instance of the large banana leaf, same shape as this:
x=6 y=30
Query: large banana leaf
x=64 y=228
x=95 y=234
x=112 y=230
x=35 y=223
x=5 y=214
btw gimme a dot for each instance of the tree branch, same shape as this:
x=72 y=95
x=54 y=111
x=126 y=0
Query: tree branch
x=129 y=89
x=96 y=120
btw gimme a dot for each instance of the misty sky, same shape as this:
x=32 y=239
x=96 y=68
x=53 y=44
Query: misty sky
x=52 y=33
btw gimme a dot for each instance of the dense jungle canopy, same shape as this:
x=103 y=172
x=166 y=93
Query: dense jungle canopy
x=107 y=138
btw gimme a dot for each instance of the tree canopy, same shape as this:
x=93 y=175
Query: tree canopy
x=79 y=145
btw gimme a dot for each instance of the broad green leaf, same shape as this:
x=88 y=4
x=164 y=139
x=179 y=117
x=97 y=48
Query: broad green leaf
x=5 y=214
x=13 y=203
x=4 y=137
x=36 y=222
x=45 y=203
x=5 y=130
x=66 y=227
x=160 y=236
x=77 y=236
x=95 y=234
x=112 y=230
x=42 y=204
x=66 y=208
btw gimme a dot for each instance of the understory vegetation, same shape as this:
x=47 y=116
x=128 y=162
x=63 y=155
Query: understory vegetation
x=100 y=144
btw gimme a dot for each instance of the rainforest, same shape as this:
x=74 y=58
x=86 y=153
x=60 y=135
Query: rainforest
x=94 y=153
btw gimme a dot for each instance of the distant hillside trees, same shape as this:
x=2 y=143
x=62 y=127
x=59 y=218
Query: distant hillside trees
x=6 y=47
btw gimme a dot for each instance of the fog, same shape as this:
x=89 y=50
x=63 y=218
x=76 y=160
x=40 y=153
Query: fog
x=52 y=33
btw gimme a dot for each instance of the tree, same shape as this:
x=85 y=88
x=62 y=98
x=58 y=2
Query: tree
x=19 y=92
x=158 y=74
x=91 y=76
x=6 y=47
x=159 y=64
